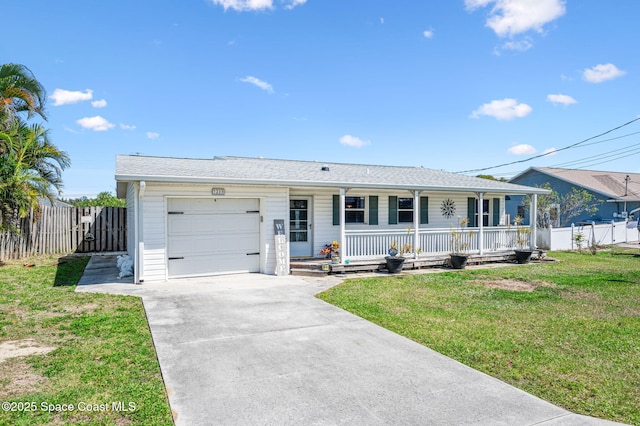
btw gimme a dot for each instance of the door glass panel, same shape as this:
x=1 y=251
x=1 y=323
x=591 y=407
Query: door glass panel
x=298 y=220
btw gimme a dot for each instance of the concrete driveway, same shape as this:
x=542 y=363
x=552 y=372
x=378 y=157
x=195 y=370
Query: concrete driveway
x=262 y=350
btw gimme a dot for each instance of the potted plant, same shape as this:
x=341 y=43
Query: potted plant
x=332 y=251
x=522 y=241
x=394 y=262
x=459 y=242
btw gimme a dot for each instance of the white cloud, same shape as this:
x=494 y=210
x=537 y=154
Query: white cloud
x=516 y=45
x=505 y=109
x=353 y=141
x=255 y=5
x=602 y=72
x=97 y=123
x=382 y=20
x=475 y=4
x=294 y=3
x=428 y=33
x=153 y=135
x=64 y=97
x=259 y=83
x=522 y=149
x=244 y=5
x=127 y=126
x=512 y=17
x=561 y=99
x=550 y=152
x=99 y=104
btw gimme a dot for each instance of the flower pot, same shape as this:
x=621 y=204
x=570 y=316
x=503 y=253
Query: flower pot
x=394 y=264
x=523 y=256
x=458 y=261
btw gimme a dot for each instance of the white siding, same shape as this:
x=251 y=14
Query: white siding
x=273 y=205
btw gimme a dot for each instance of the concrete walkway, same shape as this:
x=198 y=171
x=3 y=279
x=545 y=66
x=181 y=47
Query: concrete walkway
x=261 y=350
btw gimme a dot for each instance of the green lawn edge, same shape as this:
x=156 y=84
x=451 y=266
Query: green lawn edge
x=574 y=340
x=103 y=370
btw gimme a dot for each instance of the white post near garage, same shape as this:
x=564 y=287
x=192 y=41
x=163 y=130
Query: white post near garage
x=139 y=268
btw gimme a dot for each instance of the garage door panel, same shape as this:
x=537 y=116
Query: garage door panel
x=208 y=246
x=214 y=224
x=203 y=265
x=211 y=206
x=211 y=236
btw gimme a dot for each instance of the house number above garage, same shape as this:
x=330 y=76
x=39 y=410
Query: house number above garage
x=217 y=191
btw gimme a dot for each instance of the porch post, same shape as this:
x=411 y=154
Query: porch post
x=534 y=220
x=343 y=237
x=481 y=222
x=416 y=222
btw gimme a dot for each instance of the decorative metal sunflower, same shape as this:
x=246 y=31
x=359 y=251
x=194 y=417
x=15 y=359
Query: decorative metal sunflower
x=448 y=208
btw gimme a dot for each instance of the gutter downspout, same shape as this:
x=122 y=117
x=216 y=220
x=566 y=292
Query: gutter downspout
x=140 y=233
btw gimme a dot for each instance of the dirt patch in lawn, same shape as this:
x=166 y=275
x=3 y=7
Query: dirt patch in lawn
x=17 y=378
x=514 y=285
x=24 y=347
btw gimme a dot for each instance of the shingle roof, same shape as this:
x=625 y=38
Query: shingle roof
x=609 y=184
x=261 y=171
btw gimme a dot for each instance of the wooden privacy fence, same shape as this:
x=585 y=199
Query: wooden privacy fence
x=66 y=230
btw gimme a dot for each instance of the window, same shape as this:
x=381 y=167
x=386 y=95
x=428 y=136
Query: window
x=354 y=210
x=405 y=210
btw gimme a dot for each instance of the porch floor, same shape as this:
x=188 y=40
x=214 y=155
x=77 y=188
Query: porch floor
x=320 y=266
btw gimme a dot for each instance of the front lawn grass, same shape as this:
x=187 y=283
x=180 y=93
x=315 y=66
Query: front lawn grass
x=574 y=340
x=101 y=360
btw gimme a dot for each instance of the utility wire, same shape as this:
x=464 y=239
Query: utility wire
x=582 y=160
x=599 y=156
x=554 y=151
x=608 y=161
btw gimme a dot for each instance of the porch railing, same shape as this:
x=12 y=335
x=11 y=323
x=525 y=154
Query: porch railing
x=367 y=244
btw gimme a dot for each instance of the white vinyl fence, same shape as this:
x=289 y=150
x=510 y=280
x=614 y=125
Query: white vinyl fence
x=600 y=234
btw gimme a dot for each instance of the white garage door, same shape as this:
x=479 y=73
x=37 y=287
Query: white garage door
x=213 y=236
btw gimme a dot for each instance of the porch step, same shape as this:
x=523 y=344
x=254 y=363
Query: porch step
x=305 y=272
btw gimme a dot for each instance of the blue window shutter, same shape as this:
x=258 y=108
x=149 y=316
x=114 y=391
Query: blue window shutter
x=496 y=211
x=336 y=210
x=373 y=210
x=424 y=210
x=471 y=211
x=393 y=210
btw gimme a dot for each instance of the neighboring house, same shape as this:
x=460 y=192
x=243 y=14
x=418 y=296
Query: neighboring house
x=618 y=192
x=189 y=217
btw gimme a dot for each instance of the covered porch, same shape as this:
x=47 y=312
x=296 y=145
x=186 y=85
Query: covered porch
x=420 y=241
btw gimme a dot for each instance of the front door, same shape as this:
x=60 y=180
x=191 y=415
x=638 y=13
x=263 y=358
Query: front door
x=300 y=226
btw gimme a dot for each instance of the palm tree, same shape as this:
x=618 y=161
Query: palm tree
x=19 y=92
x=31 y=167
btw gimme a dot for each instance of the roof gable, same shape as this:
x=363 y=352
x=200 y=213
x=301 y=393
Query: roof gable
x=261 y=171
x=610 y=184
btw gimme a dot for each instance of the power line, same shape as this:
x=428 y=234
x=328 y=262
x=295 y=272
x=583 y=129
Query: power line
x=608 y=161
x=554 y=151
x=603 y=155
x=621 y=153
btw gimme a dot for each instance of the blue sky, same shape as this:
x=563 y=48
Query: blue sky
x=451 y=84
